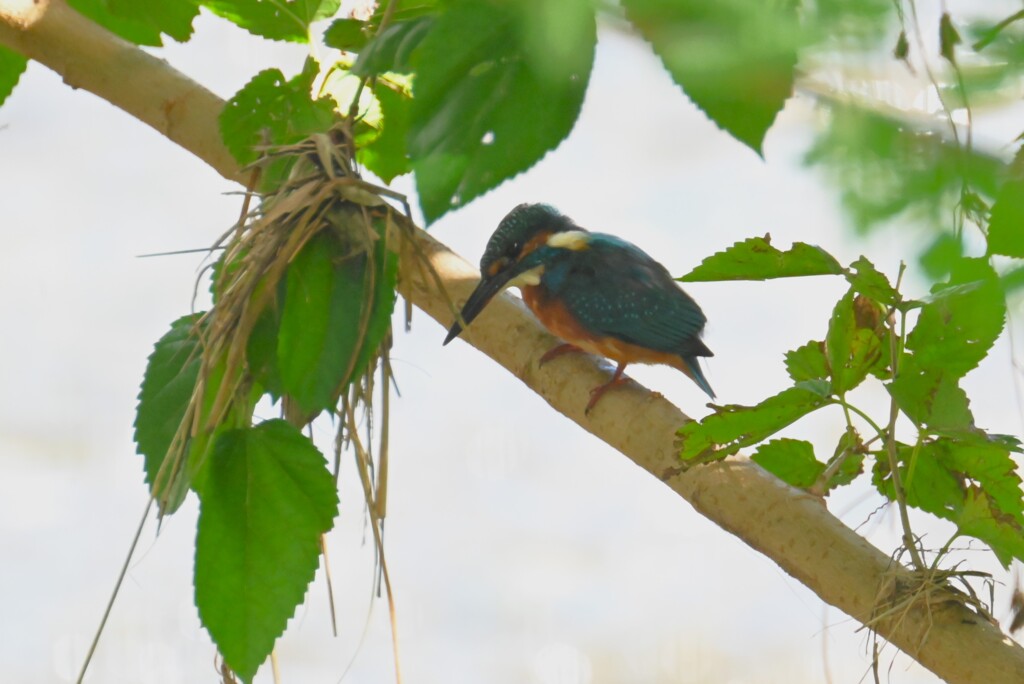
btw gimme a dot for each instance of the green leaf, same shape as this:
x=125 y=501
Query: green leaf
x=756 y=259
x=734 y=58
x=807 y=362
x=928 y=483
x=497 y=86
x=173 y=17
x=167 y=387
x=960 y=323
x=791 y=460
x=1003 y=533
x=391 y=49
x=949 y=38
x=132 y=30
x=850 y=349
x=346 y=34
x=12 y=66
x=986 y=460
x=851 y=449
x=386 y=156
x=931 y=397
x=733 y=427
x=869 y=281
x=943 y=254
x=1006 y=225
x=275 y=111
x=277 y=20
x=336 y=312
x=266 y=500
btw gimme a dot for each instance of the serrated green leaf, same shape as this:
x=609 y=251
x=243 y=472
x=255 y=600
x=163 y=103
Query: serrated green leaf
x=386 y=156
x=132 y=30
x=851 y=351
x=807 y=362
x=1006 y=224
x=756 y=259
x=275 y=111
x=12 y=66
x=490 y=98
x=943 y=254
x=734 y=58
x=173 y=17
x=346 y=34
x=869 y=281
x=958 y=326
x=391 y=49
x=279 y=20
x=983 y=520
x=733 y=427
x=266 y=500
x=167 y=387
x=791 y=460
x=928 y=483
x=931 y=397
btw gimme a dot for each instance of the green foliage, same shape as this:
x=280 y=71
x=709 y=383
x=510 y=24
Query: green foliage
x=12 y=65
x=496 y=88
x=1006 y=225
x=954 y=470
x=267 y=499
x=275 y=19
x=167 y=387
x=133 y=29
x=271 y=110
x=734 y=58
x=756 y=259
x=336 y=311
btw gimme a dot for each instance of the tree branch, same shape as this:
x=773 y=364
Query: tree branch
x=790 y=526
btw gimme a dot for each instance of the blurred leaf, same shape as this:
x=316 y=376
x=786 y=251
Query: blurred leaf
x=133 y=30
x=960 y=323
x=173 y=17
x=346 y=34
x=277 y=20
x=807 y=362
x=490 y=99
x=851 y=350
x=271 y=110
x=733 y=427
x=791 y=460
x=949 y=38
x=1006 y=225
x=386 y=156
x=167 y=387
x=886 y=168
x=392 y=48
x=943 y=254
x=734 y=58
x=12 y=66
x=902 y=49
x=756 y=259
x=267 y=499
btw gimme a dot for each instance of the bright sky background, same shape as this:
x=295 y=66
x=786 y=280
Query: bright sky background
x=521 y=548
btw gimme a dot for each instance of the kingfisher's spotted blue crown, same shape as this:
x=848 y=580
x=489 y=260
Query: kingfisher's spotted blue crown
x=598 y=293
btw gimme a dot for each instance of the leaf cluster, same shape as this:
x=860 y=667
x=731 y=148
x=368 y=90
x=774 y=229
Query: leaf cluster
x=948 y=466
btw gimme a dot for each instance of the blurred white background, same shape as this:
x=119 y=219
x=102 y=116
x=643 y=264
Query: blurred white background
x=521 y=548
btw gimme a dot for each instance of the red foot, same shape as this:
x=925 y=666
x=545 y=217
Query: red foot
x=598 y=392
x=560 y=350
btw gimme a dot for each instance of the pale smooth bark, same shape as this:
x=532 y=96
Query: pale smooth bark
x=791 y=527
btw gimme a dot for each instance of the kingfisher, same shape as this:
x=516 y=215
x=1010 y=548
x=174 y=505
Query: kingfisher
x=596 y=292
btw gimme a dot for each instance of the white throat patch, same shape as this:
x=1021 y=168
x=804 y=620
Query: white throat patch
x=528 y=278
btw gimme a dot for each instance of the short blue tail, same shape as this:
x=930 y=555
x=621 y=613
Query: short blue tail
x=697 y=375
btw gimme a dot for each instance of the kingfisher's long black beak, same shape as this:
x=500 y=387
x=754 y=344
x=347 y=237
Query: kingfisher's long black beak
x=484 y=293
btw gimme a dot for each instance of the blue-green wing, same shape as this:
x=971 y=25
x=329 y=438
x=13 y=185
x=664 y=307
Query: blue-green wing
x=615 y=289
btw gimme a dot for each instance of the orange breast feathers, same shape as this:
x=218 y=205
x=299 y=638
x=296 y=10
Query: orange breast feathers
x=553 y=314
